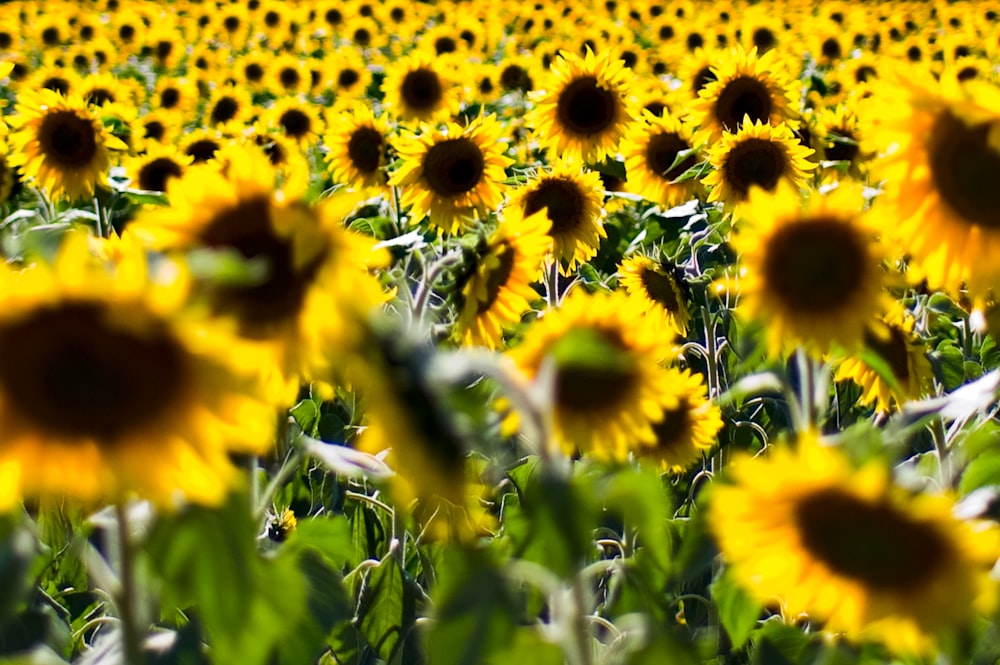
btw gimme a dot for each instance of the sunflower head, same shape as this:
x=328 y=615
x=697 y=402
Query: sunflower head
x=810 y=269
x=61 y=144
x=357 y=143
x=417 y=90
x=660 y=288
x=658 y=151
x=581 y=111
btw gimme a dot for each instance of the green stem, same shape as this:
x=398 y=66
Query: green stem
x=131 y=642
x=940 y=439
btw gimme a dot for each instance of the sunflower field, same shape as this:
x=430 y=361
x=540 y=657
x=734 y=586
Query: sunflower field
x=584 y=332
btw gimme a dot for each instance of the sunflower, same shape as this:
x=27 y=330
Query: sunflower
x=291 y=317
x=157 y=128
x=84 y=416
x=745 y=86
x=287 y=75
x=499 y=289
x=602 y=355
x=228 y=105
x=296 y=119
x=104 y=88
x=572 y=200
x=356 y=144
x=347 y=73
x=848 y=548
x=659 y=289
x=250 y=70
x=417 y=90
x=844 y=142
x=940 y=161
x=651 y=149
x=688 y=427
x=172 y=94
x=581 y=110
x=453 y=174
x=61 y=144
x=810 y=268
x=759 y=155
x=893 y=339
x=156 y=167
x=203 y=144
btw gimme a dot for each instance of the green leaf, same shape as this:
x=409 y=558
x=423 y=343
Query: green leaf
x=780 y=644
x=880 y=366
x=640 y=498
x=387 y=612
x=305 y=414
x=693 y=173
x=738 y=611
x=527 y=646
x=330 y=536
x=475 y=613
x=327 y=606
x=982 y=471
x=949 y=365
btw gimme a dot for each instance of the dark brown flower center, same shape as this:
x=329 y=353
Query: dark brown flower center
x=225 y=109
x=260 y=308
x=594 y=371
x=154 y=174
x=203 y=150
x=661 y=151
x=816 y=266
x=421 y=90
x=674 y=429
x=563 y=201
x=754 y=161
x=843 y=146
x=347 y=78
x=365 y=148
x=965 y=169
x=893 y=350
x=169 y=98
x=873 y=543
x=155 y=130
x=498 y=277
x=514 y=77
x=585 y=108
x=660 y=289
x=295 y=123
x=702 y=77
x=100 y=97
x=56 y=84
x=254 y=72
x=289 y=77
x=743 y=96
x=75 y=373
x=453 y=167
x=67 y=139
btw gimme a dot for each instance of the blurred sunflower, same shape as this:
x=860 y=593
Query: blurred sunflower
x=61 y=144
x=498 y=291
x=810 y=269
x=572 y=200
x=357 y=142
x=892 y=338
x=581 y=110
x=843 y=142
x=229 y=104
x=173 y=94
x=83 y=417
x=659 y=289
x=453 y=174
x=847 y=547
x=603 y=357
x=348 y=73
x=296 y=119
x=941 y=163
x=745 y=86
x=152 y=170
x=203 y=144
x=759 y=155
x=651 y=149
x=287 y=75
x=688 y=428
x=416 y=89
x=290 y=317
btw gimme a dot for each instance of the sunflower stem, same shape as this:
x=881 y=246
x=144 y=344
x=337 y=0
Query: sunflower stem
x=940 y=439
x=126 y=599
x=807 y=390
x=552 y=284
x=99 y=218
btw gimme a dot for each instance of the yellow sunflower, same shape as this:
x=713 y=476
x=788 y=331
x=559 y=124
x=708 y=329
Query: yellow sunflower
x=940 y=159
x=499 y=292
x=659 y=289
x=104 y=372
x=602 y=355
x=848 y=548
x=158 y=165
x=810 y=269
x=758 y=155
x=416 y=89
x=357 y=142
x=61 y=144
x=229 y=104
x=651 y=149
x=572 y=199
x=291 y=317
x=745 y=86
x=452 y=175
x=581 y=111
x=688 y=427
x=295 y=118
x=893 y=339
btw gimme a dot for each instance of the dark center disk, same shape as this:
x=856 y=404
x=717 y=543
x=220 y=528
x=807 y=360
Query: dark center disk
x=743 y=96
x=816 y=267
x=661 y=152
x=563 y=201
x=873 y=543
x=754 y=162
x=295 y=123
x=262 y=307
x=153 y=175
x=202 y=150
x=365 y=149
x=169 y=98
x=594 y=386
x=77 y=375
x=224 y=110
x=347 y=78
x=584 y=108
x=499 y=276
x=965 y=169
x=68 y=139
x=289 y=77
x=844 y=147
x=672 y=430
x=660 y=289
x=453 y=166
x=421 y=90
x=893 y=350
